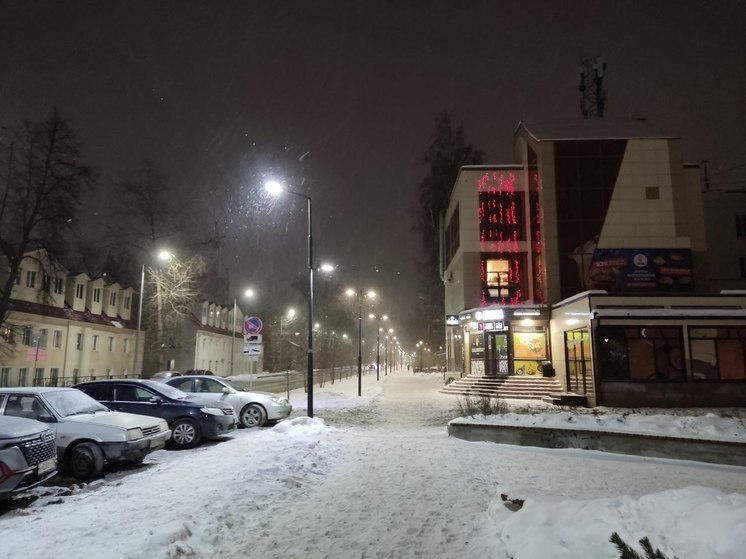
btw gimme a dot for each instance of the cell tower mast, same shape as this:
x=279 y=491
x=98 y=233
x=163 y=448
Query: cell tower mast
x=593 y=96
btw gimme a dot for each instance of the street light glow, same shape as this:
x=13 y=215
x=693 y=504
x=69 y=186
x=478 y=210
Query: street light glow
x=165 y=255
x=249 y=293
x=273 y=187
x=326 y=267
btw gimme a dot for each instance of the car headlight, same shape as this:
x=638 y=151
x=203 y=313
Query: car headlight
x=212 y=411
x=279 y=401
x=134 y=434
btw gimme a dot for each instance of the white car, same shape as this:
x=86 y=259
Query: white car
x=87 y=434
x=254 y=409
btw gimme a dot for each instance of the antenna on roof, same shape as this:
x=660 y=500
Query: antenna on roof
x=593 y=96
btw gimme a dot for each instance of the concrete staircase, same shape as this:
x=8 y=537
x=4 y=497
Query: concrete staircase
x=517 y=387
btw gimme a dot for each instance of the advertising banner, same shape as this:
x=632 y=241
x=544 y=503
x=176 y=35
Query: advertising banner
x=640 y=270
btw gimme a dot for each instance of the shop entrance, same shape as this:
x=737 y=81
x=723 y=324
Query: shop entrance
x=497 y=354
x=578 y=360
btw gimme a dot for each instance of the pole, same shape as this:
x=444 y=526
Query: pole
x=233 y=335
x=139 y=322
x=310 y=313
x=360 y=344
x=378 y=350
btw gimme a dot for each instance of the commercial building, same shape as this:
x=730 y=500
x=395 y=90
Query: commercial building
x=587 y=259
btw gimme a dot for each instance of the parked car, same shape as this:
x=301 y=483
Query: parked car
x=87 y=434
x=164 y=375
x=28 y=454
x=189 y=420
x=254 y=409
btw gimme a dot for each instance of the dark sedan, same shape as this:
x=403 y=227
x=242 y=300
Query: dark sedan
x=190 y=421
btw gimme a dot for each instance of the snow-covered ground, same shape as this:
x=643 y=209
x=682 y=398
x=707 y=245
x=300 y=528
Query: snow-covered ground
x=377 y=477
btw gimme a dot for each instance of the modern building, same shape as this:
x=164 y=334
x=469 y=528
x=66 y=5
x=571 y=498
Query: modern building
x=66 y=327
x=597 y=229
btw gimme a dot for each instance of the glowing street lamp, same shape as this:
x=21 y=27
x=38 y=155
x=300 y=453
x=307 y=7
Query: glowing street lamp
x=275 y=188
x=370 y=294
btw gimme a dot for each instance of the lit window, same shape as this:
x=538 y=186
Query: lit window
x=498 y=277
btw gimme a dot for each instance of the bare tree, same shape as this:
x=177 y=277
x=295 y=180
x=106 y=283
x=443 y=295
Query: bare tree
x=41 y=182
x=173 y=292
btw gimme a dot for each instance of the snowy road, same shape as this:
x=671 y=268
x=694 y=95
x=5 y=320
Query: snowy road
x=377 y=478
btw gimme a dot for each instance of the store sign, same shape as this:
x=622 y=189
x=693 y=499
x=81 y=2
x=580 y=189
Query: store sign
x=490 y=314
x=452 y=320
x=492 y=326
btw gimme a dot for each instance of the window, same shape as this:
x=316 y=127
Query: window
x=79 y=341
x=18 y=277
x=96 y=294
x=76 y=375
x=39 y=376
x=127 y=302
x=5 y=376
x=22 y=376
x=741 y=225
x=95 y=342
x=108 y=373
x=54 y=374
x=79 y=288
x=113 y=299
x=41 y=339
x=126 y=344
x=111 y=343
x=58 y=285
x=45 y=282
x=640 y=353
x=26 y=339
x=718 y=353
x=31 y=278
x=58 y=338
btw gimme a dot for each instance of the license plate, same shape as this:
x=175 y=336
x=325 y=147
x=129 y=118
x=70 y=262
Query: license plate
x=47 y=465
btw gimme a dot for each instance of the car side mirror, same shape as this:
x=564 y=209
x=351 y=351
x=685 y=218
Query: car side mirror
x=46 y=418
x=226 y=390
x=156 y=400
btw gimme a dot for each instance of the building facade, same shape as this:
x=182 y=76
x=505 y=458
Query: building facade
x=594 y=206
x=66 y=327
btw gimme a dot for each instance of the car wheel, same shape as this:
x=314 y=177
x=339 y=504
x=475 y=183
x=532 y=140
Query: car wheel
x=85 y=461
x=253 y=415
x=185 y=433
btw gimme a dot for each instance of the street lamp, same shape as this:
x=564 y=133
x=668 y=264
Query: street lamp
x=378 y=318
x=360 y=296
x=275 y=188
x=248 y=293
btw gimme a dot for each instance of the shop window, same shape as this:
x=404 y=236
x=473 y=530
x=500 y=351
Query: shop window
x=498 y=277
x=640 y=353
x=578 y=361
x=718 y=353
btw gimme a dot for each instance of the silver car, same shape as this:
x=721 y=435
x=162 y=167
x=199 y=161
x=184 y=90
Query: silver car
x=88 y=434
x=254 y=409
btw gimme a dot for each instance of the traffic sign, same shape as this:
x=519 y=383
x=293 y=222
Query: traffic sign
x=252 y=349
x=252 y=325
x=252 y=338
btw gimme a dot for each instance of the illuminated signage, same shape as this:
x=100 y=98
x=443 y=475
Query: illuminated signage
x=490 y=314
x=451 y=320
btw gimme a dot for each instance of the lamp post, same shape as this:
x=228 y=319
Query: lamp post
x=378 y=318
x=360 y=296
x=139 y=321
x=247 y=293
x=274 y=187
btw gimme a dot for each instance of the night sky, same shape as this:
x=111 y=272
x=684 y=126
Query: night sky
x=338 y=99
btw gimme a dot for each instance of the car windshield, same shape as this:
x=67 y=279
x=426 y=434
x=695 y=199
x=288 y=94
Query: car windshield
x=167 y=390
x=72 y=402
